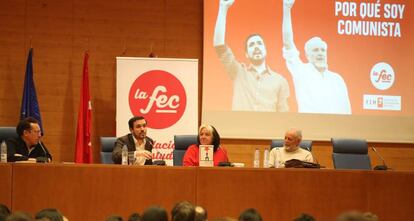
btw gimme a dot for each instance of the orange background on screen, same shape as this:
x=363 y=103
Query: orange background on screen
x=350 y=56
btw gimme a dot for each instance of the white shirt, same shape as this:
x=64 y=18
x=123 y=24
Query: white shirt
x=139 y=148
x=316 y=92
x=278 y=156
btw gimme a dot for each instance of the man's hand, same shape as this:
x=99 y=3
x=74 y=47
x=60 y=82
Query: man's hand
x=144 y=153
x=226 y=3
x=288 y=3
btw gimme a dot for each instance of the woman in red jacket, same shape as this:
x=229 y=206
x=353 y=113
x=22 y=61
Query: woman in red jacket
x=207 y=135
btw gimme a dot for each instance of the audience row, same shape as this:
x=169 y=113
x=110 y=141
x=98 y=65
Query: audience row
x=182 y=211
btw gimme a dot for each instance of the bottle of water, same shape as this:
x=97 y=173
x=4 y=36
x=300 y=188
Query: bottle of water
x=124 y=155
x=3 y=148
x=266 y=158
x=276 y=158
x=256 y=161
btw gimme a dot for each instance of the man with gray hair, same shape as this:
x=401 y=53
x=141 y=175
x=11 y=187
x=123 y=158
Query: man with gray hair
x=290 y=150
x=317 y=89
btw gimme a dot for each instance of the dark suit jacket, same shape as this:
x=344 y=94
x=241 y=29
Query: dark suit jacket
x=128 y=140
x=17 y=145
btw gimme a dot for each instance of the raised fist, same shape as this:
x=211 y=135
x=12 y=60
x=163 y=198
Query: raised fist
x=288 y=3
x=226 y=3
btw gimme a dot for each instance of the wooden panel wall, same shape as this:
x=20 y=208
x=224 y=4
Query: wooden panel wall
x=282 y=194
x=5 y=184
x=61 y=30
x=94 y=192
x=397 y=156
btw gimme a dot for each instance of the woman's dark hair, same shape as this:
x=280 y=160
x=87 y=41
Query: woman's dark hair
x=216 y=135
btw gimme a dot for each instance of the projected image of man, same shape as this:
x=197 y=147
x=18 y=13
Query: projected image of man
x=317 y=89
x=255 y=86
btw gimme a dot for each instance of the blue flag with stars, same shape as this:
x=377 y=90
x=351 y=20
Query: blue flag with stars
x=30 y=106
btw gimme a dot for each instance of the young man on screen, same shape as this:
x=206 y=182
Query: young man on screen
x=318 y=90
x=255 y=87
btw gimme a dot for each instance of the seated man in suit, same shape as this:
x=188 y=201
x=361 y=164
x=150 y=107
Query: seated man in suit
x=290 y=150
x=28 y=143
x=136 y=141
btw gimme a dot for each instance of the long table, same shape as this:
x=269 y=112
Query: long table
x=93 y=192
x=5 y=184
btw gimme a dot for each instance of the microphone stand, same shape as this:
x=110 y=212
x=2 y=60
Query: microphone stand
x=44 y=159
x=379 y=167
x=314 y=157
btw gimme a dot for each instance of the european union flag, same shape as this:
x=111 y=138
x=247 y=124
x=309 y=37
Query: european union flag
x=30 y=106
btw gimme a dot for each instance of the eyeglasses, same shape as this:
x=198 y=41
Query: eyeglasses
x=36 y=131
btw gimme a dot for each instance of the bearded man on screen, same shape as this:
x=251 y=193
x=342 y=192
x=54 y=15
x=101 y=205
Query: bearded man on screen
x=255 y=86
x=317 y=89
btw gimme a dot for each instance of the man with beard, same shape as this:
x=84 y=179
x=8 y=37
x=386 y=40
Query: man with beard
x=136 y=141
x=318 y=90
x=290 y=150
x=255 y=87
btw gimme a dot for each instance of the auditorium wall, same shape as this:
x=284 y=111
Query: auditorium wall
x=61 y=31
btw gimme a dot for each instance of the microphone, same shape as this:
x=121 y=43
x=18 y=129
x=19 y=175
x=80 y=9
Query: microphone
x=44 y=159
x=379 y=167
x=313 y=156
x=278 y=155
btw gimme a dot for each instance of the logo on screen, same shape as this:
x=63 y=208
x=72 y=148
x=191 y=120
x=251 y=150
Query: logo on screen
x=158 y=96
x=382 y=76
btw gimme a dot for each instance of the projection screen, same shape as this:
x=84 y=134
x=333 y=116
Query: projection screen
x=331 y=68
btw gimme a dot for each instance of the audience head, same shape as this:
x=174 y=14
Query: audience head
x=19 y=216
x=138 y=127
x=357 y=216
x=304 y=217
x=29 y=130
x=208 y=135
x=49 y=214
x=200 y=214
x=114 y=218
x=134 y=217
x=225 y=219
x=370 y=216
x=183 y=211
x=250 y=215
x=293 y=137
x=155 y=213
x=4 y=212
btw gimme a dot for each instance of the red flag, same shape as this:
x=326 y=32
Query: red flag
x=83 y=152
